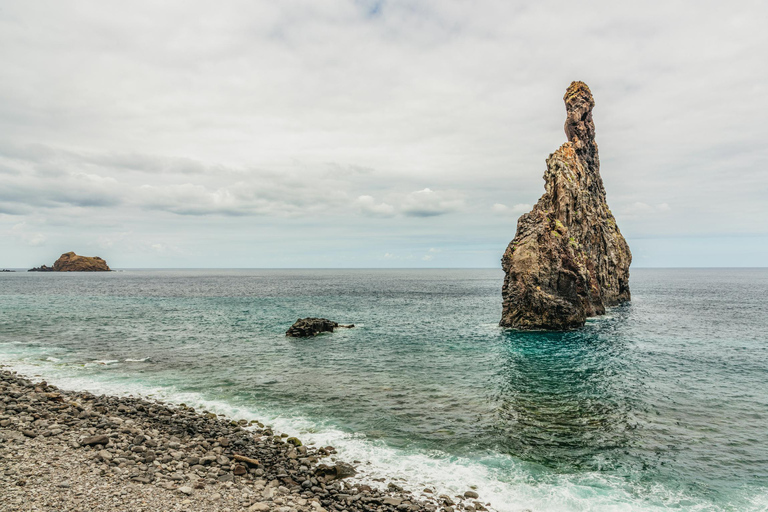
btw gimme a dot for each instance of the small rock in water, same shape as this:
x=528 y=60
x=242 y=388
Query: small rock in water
x=471 y=494
x=306 y=327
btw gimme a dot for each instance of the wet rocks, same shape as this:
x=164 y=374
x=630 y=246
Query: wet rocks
x=125 y=454
x=336 y=472
x=306 y=327
x=568 y=260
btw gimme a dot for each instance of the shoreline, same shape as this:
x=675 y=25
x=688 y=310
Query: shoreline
x=73 y=450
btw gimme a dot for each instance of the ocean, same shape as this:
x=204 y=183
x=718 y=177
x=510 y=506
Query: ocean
x=662 y=404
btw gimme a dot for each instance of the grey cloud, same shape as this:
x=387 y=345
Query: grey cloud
x=257 y=109
x=430 y=203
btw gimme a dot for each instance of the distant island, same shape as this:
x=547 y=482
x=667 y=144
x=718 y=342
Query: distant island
x=71 y=262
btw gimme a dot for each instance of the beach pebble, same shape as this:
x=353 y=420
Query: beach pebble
x=93 y=440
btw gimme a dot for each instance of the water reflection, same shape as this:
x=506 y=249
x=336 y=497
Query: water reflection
x=565 y=399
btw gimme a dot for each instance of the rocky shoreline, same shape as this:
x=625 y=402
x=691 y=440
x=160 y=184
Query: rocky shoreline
x=68 y=450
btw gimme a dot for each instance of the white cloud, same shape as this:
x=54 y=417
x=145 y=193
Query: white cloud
x=639 y=208
x=33 y=239
x=506 y=210
x=368 y=206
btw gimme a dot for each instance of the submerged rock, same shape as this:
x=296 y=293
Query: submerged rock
x=305 y=327
x=71 y=262
x=568 y=260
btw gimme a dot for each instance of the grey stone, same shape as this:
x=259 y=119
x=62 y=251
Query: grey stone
x=93 y=440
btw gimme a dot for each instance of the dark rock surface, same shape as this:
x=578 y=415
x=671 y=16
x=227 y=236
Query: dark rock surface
x=41 y=268
x=568 y=260
x=306 y=327
x=71 y=262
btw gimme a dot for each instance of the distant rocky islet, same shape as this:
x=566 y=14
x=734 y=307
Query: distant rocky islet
x=71 y=262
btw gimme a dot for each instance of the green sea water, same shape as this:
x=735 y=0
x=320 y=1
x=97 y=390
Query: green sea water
x=662 y=404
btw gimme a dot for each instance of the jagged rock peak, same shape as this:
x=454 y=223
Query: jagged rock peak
x=579 y=127
x=568 y=260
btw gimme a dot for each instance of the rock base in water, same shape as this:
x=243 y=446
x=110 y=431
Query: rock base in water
x=306 y=327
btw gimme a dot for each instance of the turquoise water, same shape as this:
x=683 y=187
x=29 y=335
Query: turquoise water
x=660 y=405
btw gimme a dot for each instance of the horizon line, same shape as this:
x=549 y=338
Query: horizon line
x=377 y=268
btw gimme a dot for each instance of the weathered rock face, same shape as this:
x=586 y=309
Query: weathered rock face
x=305 y=327
x=71 y=262
x=568 y=260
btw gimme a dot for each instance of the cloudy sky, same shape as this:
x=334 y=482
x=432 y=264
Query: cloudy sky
x=372 y=133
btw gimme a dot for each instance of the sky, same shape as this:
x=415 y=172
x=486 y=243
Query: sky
x=372 y=133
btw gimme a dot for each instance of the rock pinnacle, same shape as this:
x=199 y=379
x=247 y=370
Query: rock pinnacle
x=568 y=260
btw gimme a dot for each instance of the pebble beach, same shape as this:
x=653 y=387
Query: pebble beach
x=67 y=450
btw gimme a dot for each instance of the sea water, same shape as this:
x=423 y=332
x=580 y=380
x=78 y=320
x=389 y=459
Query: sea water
x=662 y=404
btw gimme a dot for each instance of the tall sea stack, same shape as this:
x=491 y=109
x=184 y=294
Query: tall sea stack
x=568 y=260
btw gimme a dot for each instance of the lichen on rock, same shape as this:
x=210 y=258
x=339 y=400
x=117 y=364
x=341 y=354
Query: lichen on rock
x=568 y=260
